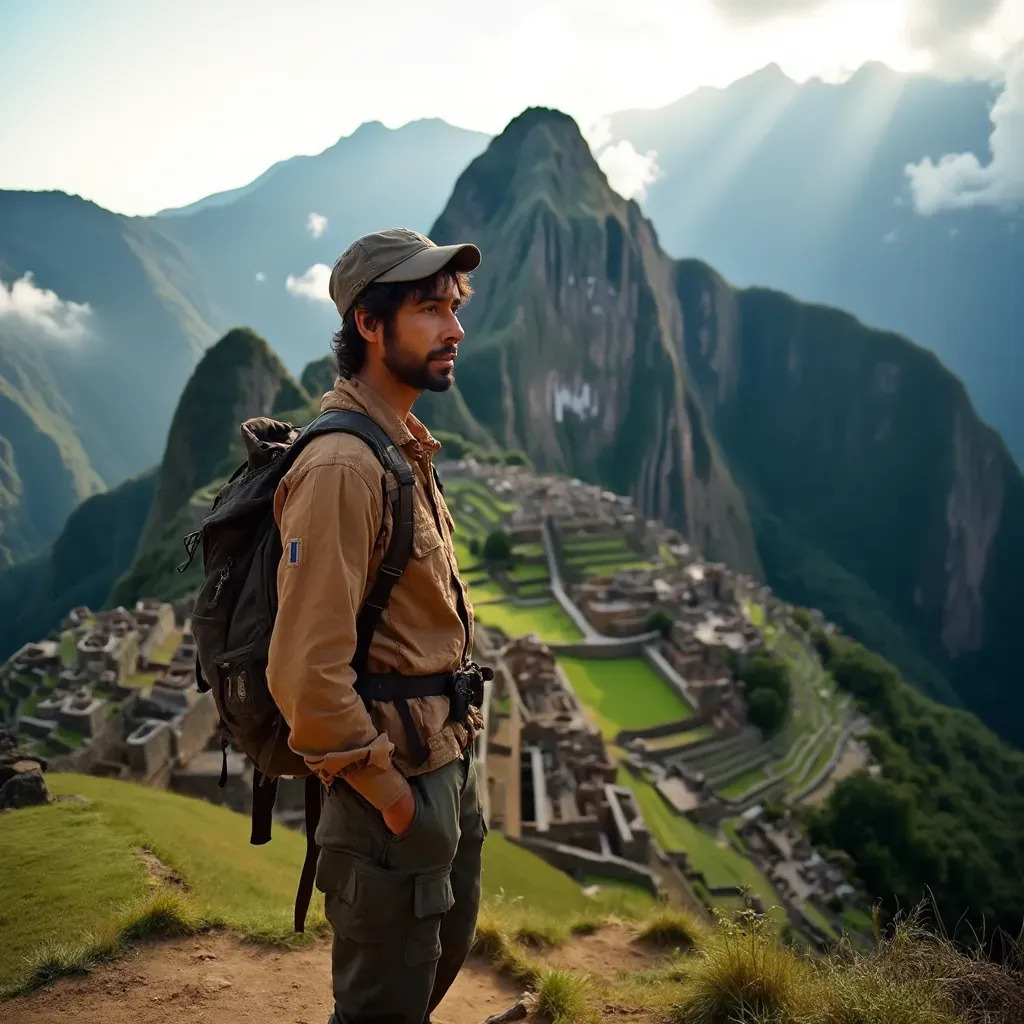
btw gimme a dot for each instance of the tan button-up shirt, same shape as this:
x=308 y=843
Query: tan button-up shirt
x=331 y=503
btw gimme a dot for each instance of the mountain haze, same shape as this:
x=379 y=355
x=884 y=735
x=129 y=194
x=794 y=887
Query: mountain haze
x=101 y=322
x=374 y=178
x=847 y=462
x=803 y=188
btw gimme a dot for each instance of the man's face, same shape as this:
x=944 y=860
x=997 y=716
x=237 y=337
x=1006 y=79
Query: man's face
x=420 y=349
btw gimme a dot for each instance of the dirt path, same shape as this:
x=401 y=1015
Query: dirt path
x=218 y=979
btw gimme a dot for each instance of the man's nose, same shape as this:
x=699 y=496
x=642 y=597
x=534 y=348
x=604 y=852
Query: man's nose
x=455 y=333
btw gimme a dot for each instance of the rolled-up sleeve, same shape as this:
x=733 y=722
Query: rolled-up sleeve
x=329 y=517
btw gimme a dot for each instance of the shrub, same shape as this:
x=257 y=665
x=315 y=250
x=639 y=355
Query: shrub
x=766 y=710
x=497 y=547
x=660 y=620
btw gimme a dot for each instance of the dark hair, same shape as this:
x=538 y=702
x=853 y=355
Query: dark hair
x=381 y=303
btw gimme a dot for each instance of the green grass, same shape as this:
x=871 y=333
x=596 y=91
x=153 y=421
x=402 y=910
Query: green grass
x=65 y=869
x=677 y=739
x=73 y=886
x=489 y=591
x=141 y=680
x=737 y=787
x=623 y=693
x=526 y=572
x=69 y=736
x=719 y=863
x=605 y=568
x=816 y=917
x=857 y=921
x=548 y=621
x=529 y=549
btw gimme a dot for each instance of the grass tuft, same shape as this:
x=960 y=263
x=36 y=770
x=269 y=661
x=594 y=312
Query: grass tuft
x=562 y=997
x=674 y=926
x=160 y=915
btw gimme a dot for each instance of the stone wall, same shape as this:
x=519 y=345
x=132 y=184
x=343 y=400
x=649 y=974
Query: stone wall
x=581 y=863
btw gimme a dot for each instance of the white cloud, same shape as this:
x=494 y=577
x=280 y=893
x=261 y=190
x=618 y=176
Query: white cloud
x=313 y=284
x=960 y=180
x=44 y=310
x=628 y=171
x=315 y=224
x=260 y=276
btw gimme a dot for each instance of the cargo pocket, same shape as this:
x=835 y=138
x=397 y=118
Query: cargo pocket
x=363 y=903
x=432 y=899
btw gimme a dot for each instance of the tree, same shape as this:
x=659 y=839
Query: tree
x=516 y=459
x=766 y=671
x=660 y=620
x=766 y=710
x=474 y=545
x=802 y=617
x=497 y=547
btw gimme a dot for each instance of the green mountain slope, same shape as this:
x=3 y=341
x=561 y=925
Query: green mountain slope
x=237 y=378
x=873 y=488
x=44 y=470
x=866 y=452
x=101 y=322
x=93 y=549
x=574 y=339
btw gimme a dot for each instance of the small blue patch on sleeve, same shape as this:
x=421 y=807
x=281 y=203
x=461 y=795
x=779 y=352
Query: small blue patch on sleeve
x=293 y=552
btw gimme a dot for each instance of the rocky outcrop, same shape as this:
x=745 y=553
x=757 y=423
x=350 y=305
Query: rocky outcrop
x=236 y=379
x=21 y=777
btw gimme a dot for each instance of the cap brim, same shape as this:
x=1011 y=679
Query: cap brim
x=429 y=261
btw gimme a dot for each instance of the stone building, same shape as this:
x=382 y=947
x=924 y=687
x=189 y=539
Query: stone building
x=567 y=790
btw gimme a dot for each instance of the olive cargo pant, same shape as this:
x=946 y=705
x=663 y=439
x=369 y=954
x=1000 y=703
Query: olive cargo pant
x=404 y=908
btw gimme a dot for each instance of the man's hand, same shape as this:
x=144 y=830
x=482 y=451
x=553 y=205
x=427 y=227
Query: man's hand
x=398 y=817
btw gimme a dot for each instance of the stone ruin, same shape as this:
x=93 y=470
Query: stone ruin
x=569 y=794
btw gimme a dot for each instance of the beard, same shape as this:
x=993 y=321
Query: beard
x=414 y=371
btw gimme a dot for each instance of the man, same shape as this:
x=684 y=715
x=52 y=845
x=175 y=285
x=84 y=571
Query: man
x=402 y=826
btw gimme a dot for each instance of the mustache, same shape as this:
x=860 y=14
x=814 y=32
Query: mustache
x=443 y=353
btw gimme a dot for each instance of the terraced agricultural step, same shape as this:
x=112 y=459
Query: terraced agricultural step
x=724 y=773
x=731 y=744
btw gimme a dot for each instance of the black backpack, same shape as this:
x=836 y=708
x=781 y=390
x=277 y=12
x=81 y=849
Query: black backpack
x=234 y=611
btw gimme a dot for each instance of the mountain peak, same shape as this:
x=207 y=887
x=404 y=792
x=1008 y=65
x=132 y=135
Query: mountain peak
x=540 y=155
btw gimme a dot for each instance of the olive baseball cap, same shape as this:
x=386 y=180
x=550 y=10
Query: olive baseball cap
x=396 y=254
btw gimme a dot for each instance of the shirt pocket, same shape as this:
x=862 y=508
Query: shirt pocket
x=425 y=536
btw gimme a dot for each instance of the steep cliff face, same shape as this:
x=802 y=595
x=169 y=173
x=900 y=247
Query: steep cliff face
x=237 y=378
x=866 y=450
x=44 y=471
x=92 y=550
x=574 y=347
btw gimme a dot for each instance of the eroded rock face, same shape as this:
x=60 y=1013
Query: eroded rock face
x=574 y=349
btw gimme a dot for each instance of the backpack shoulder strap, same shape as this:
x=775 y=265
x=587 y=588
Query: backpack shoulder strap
x=398 y=491
x=398 y=484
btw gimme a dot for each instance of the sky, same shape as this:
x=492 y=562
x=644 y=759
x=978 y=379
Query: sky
x=144 y=106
